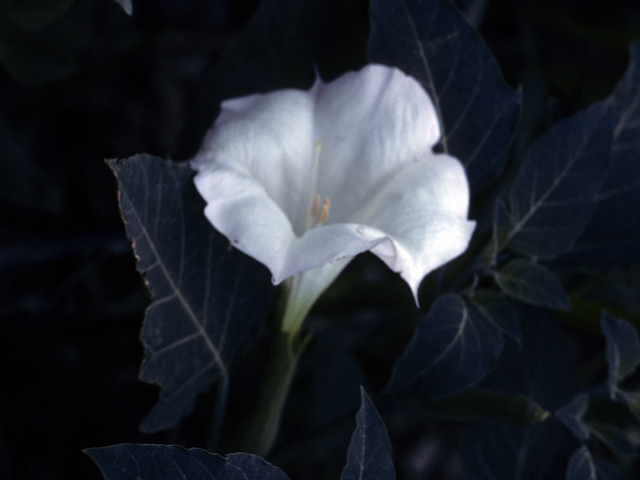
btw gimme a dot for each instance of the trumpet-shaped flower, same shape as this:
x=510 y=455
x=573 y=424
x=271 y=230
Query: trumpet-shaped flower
x=303 y=181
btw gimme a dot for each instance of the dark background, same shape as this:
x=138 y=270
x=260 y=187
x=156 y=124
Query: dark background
x=95 y=84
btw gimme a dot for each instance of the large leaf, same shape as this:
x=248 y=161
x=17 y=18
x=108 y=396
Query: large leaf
x=532 y=284
x=554 y=194
x=614 y=437
x=454 y=347
x=607 y=471
x=498 y=451
x=430 y=40
x=34 y=58
x=631 y=400
x=498 y=309
x=611 y=239
x=571 y=415
x=163 y=462
x=208 y=299
x=623 y=350
x=30 y=54
x=538 y=369
x=581 y=466
x=369 y=456
x=35 y=15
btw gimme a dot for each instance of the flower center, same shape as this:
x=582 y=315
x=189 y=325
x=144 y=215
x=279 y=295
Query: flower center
x=320 y=214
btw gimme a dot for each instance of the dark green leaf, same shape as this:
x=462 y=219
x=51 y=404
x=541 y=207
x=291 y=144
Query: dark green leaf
x=631 y=400
x=499 y=452
x=454 y=347
x=431 y=41
x=481 y=404
x=616 y=439
x=623 y=350
x=581 y=466
x=164 y=462
x=538 y=367
x=616 y=290
x=611 y=239
x=208 y=298
x=498 y=309
x=606 y=470
x=35 y=15
x=501 y=225
x=553 y=197
x=571 y=415
x=532 y=284
x=369 y=455
x=34 y=59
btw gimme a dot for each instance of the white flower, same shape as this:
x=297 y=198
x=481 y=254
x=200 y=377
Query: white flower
x=303 y=181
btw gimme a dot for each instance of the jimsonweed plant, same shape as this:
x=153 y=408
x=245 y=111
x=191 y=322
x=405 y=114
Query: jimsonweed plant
x=511 y=246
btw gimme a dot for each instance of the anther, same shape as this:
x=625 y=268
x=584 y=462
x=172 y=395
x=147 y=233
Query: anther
x=324 y=213
x=316 y=207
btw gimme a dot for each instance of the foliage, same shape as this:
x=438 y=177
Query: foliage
x=488 y=348
x=208 y=300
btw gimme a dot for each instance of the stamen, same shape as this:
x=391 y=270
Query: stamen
x=324 y=213
x=316 y=207
x=312 y=189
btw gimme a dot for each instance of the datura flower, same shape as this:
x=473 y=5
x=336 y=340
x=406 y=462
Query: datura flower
x=303 y=181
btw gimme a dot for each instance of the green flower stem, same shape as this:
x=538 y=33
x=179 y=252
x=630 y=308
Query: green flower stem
x=262 y=429
x=478 y=404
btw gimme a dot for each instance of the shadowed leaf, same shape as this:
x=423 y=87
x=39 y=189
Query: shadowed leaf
x=430 y=40
x=538 y=367
x=611 y=239
x=208 y=300
x=33 y=15
x=498 y=309
x=554 y=194
x=616 y=439
x=623 y=350
x=499 y=451
x=571 y=415
x=581 y=466
x=369 y=456
x=532 y=284
x=453 y=347
x=163 y=462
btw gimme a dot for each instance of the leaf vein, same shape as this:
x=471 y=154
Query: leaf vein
x=185 y=305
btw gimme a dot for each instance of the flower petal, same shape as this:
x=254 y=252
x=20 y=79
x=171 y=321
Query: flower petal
x=415 y=223
x=239 y=207
x=423 y=211
x=269 y=137
x=370 y=123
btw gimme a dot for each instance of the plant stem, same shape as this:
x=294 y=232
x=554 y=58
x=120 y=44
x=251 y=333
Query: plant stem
x=220 y=410
x=261 y=431
x=477 y=404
